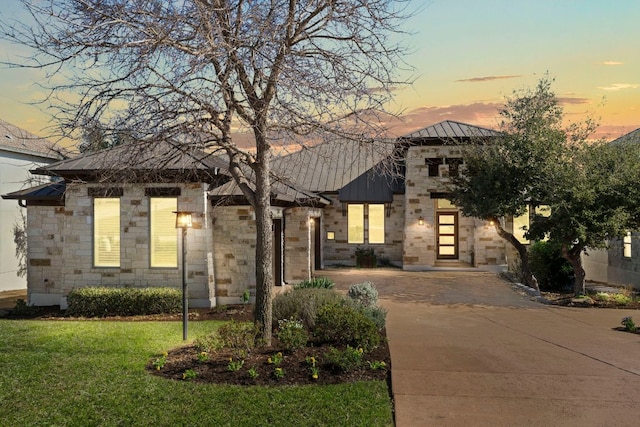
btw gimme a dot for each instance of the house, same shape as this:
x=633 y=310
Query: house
x=620 y=263
x=110 y=221
x=19 y=152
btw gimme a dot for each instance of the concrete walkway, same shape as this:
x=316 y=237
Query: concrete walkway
x=466 y=349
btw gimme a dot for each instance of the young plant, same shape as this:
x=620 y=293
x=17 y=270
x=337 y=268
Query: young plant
x=276 y=359
x=203 y=356
x=315 y=371
x=234 y=365
x=278 y=373
x=189 y=374
x=160 y=361
x=377 y=364
x=629 y=324
x=253 y=373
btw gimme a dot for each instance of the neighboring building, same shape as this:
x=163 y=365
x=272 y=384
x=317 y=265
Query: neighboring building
x=111 y=221
x=620 y=264
x=20 y=151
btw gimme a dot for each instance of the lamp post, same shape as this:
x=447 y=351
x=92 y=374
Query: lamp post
x=183 y=220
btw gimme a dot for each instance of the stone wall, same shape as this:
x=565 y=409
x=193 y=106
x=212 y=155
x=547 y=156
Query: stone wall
x=478 y=242
x=339 y=251
x=66 y=237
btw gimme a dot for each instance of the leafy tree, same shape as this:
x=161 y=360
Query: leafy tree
x=199 y=71
x=590 y=187
x=597 y=199
x=503 y=176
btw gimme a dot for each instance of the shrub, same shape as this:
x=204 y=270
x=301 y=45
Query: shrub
x=346 y=325
x=366 y=257
x=211 y=343
x=553 y=272
x=343 y=360
x=315 y=282
x=239 y=337
x=377 y=315
x=629 y=324
x=292 y=334
x=364 y=294
x=621 y=299
x=103 y=301
x=303 y=304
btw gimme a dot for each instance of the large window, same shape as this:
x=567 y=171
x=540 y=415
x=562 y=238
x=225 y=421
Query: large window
x=106 y=232
x=376 y=223
x=355 y=218
x=163 y=236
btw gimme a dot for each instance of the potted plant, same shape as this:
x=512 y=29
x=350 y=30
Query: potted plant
x=366 y=258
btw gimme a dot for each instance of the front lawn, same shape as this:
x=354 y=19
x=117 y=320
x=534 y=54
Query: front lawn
x=80 y=373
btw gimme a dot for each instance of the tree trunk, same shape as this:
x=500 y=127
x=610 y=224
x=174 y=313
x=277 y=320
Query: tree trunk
x=264 y=243
x=574 y=256
x=527 y=276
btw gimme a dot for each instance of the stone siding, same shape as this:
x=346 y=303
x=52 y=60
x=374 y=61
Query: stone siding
x=478 y=242
x=66 y=238
x=339 y=251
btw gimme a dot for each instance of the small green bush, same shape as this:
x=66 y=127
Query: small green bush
x=292 y=334
x=316 y=282
x=345 y=360
x=621 y=299
x=211 y=343
x=240 y=337
x=104 y=301
x=553 y=272
x=344 y=324
x=364 y=294
x=303 y=304
x=377 y=315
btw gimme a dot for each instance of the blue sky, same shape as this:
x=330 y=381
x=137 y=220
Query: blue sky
x=468 y=55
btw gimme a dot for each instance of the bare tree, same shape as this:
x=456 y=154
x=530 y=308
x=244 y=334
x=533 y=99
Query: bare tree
x=207 y=69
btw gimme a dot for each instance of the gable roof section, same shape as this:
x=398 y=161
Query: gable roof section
x=450 y=129
x=137 y=160
x=629 y=138
x=329 y=167
x=17 y=140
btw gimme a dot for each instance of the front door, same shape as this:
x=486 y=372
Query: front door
x=447 y=235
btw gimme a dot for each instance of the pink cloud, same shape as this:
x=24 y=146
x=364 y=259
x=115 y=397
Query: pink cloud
x=487 y=78
x=611 y=63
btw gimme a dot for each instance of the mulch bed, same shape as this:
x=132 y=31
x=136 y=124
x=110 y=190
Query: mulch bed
x=296 y=370
x=215 y=369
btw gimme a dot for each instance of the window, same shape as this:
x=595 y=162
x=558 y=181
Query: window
x=106 y=232
x=520 y=227
x=376 y=223
x=162 y=229
x=433 y=165
x=454 y=166
x=626 y=245
x=355 y=219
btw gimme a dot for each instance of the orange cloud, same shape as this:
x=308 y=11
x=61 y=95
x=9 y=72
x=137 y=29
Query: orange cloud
x=573 y=101
x=487 y=78
x=619 y=86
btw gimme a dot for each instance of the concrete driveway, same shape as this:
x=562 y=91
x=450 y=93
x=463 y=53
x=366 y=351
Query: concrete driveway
x=466 y=349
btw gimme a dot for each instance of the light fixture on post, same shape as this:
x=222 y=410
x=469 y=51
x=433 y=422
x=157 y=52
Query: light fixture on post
x=183 y=220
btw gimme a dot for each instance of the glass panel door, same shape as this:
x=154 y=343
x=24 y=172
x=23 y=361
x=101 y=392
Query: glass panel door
x=447 y=235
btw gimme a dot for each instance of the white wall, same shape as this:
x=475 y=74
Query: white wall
x=14 y=174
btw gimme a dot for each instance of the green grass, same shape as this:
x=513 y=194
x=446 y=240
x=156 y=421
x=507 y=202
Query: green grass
x=92 y=373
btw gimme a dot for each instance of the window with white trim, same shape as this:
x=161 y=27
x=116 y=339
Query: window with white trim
x=106 y=232
x=355 y=220
x=163 y=238
x=626 y=245
x=376 y=224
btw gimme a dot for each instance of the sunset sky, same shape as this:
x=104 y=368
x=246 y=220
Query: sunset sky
x=468 y=55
